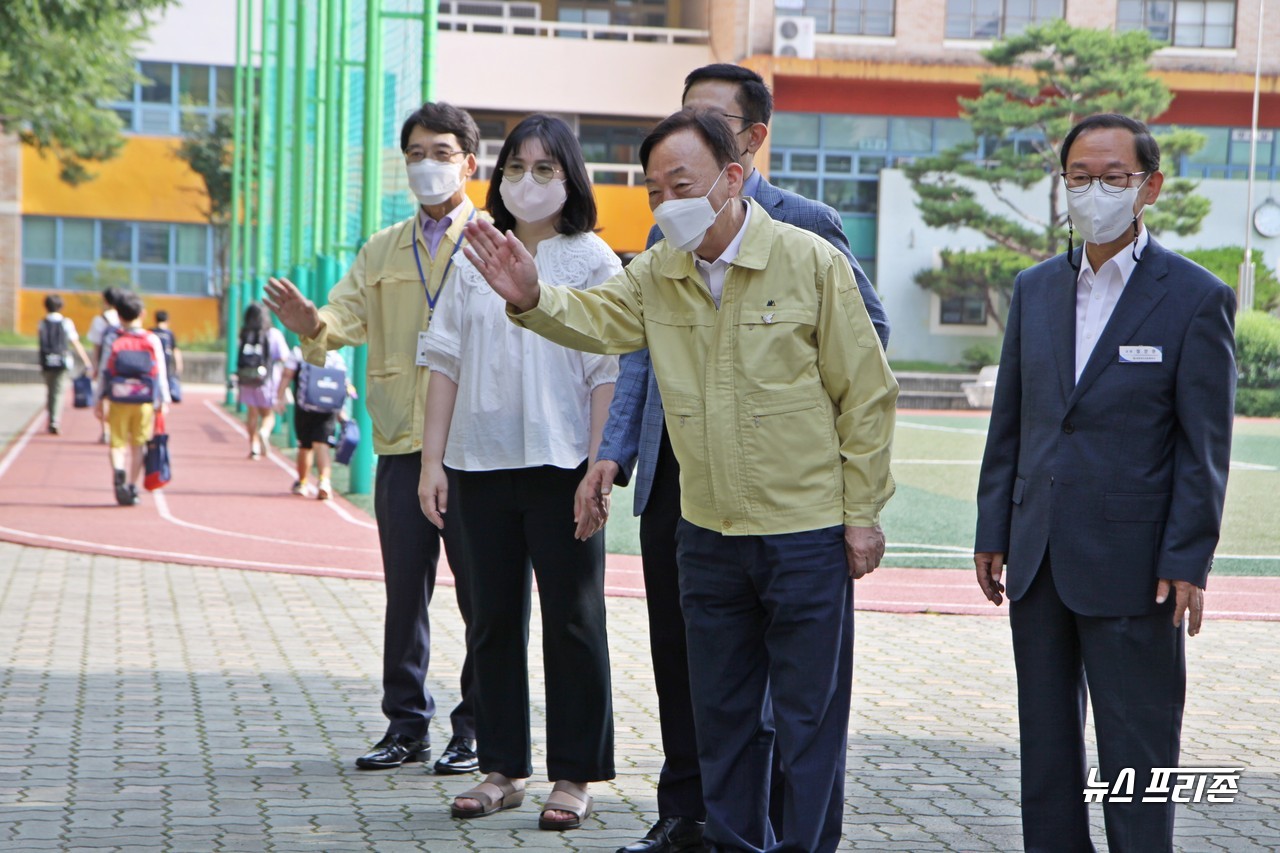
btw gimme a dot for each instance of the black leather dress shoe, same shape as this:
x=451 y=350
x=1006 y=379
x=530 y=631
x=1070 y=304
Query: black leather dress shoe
x=459 y=757
x=670 y=835
x=392 y=751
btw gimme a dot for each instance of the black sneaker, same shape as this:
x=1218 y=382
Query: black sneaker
x=134 y=497
x=123 y=496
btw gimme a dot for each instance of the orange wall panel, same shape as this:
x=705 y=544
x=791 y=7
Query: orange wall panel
x=145 y=182
x=190 y=317
x=622 y=214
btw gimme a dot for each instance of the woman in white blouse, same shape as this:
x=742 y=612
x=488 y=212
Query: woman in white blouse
x=519 y=419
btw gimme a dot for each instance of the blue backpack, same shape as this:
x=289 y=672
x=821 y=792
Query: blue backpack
x=321 y=389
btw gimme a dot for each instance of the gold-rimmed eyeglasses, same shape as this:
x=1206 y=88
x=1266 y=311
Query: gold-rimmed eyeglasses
x=543 y=173
x=440 y=155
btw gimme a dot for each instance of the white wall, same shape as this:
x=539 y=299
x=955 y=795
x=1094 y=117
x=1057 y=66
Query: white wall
x=198 y=32
x=905 y=245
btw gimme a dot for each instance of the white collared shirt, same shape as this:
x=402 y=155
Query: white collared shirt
x=713 y=271
x=1098 y=292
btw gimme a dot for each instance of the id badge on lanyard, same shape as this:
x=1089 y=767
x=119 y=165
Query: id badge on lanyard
x=420 y=357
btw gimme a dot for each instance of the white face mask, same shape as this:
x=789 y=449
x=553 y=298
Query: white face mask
x=432 y=182
x=530 y=201
x=685 y=221
x=1099 y=216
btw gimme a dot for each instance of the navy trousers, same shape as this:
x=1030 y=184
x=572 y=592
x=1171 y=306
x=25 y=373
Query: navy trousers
x=410 y=551
x=769 y=619
x=1134 y=670
x=679 y=782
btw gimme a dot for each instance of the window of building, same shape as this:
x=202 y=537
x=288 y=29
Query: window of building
x=992 y=19
x=1226 y=153
x=625 y=13
x=160 y=257
x=851 y=17
x=962 y=311
x=838 y=159
x=174 y=94
x=1181 y=23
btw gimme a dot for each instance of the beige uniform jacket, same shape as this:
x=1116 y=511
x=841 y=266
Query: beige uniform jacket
x=780 y=404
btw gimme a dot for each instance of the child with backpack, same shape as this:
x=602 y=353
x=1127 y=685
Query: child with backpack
x=104 y=323
x=262 y=349
x=133 y=379
x=319 y=394
x=57 y=337
x=172 y=355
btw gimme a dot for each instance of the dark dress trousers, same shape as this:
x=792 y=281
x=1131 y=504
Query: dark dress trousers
x=1094 y=490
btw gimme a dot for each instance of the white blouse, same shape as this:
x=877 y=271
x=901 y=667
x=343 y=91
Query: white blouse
x=523 y=401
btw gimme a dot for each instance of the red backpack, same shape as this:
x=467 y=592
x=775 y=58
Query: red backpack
x=132 y=371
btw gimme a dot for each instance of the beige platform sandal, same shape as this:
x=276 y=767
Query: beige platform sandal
x=494 y=794
x=566 y=797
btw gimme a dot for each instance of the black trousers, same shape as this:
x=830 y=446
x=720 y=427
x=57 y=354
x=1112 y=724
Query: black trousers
x=410 y=552
x=1134 y=670
x=518 y=523
x=680 y=781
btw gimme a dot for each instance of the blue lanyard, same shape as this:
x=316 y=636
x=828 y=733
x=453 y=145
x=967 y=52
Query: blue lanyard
x=431 y=303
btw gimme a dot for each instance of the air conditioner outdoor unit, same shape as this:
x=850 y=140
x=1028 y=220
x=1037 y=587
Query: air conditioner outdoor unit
x=793 y=35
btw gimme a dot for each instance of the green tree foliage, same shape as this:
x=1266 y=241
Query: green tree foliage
x=208 y=150
x=1049 y=78
x=59 y=59
x=1258 y=360
x=1224 y=262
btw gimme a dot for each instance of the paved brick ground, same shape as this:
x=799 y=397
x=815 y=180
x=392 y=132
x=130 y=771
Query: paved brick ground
x=149 y=706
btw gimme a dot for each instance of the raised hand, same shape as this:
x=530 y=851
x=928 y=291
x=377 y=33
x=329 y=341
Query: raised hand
x=298 y=313
x=504 y=262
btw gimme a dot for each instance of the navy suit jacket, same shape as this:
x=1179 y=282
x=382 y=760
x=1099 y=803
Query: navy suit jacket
x=1120 y=476
x=634 y=429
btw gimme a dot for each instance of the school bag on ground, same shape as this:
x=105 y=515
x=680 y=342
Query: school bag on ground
x=53 y=345
x=251 y=364
x=132 y=371
x=321 y=389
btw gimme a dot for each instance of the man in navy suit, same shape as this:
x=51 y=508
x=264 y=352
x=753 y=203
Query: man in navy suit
x=635 y=429
x=1101 y=489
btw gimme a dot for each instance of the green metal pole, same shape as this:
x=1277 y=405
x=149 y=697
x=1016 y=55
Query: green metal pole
x=320 y=161
x=298 y=164
x=430 y=12
x=280 y=248
x=260 y=239
x=370 y=220
x=251 y=213
x=339 y=199
x=235 y=272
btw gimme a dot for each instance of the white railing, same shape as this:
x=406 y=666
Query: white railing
x=519 y=26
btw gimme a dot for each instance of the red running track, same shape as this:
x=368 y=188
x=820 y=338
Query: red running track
x=227 y=511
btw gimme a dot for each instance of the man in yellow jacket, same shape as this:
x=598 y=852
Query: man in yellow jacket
x=780 y=408
x=386 y=300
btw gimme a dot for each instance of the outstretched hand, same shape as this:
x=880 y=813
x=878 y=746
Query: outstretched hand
x=298 y=313
x=504 y=262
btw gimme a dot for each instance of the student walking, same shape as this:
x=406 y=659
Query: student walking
x=132 y=377
x=57 y=338
x=172 y=355
x=262 y=349
x=318 y=395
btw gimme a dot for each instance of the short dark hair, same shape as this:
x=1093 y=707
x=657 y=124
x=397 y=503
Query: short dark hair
x=128 y=305
x=162 y=316
x=710 y=127
x=53 y=302
x=111 y=296
x=1145 y=144
x=439 y=117
x=579 y=213
x=753 y=94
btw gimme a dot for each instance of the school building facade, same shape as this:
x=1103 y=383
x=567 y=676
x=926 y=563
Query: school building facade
x=860 y=86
